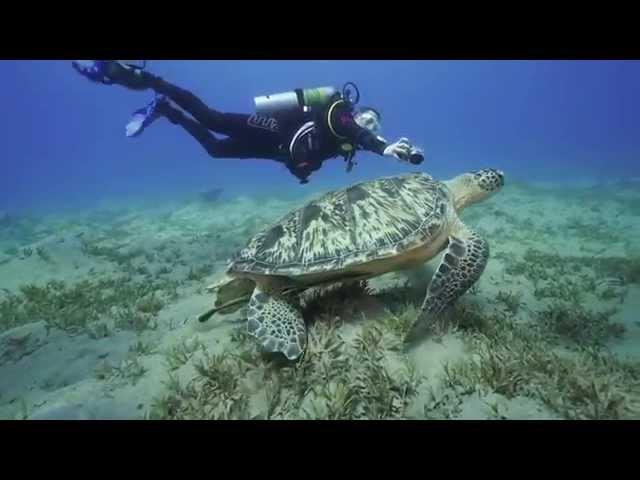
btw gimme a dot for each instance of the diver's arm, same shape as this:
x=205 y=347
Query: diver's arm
x=343 y=123
x=369 y=141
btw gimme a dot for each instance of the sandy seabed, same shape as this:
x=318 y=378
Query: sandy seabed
x=98 y=318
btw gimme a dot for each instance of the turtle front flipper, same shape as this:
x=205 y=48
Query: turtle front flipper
x=277 y=324
x=461 y=266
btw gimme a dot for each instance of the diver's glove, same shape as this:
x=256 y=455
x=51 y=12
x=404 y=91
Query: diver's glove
x=399 y=150
x=404 y=151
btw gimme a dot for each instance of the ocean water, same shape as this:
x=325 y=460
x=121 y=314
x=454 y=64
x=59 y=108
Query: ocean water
x=112 y=247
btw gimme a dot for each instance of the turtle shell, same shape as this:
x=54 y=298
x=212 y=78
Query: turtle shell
x=367 y=221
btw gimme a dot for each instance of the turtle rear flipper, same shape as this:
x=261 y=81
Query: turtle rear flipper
x=230 y=289
x=277 y=324
x=461 y=266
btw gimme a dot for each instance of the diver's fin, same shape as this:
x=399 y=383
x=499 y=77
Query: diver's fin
x=111 y=72
x=145 y=116
x=94 y=70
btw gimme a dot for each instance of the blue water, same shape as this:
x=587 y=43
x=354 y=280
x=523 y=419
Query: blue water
x=63 y=141
x=67 y=347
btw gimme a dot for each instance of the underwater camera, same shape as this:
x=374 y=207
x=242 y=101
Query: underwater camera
x=416 y=156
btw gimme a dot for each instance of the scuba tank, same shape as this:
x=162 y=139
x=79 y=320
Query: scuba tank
x=301 y=101
x=294 y=102
x=134 y=64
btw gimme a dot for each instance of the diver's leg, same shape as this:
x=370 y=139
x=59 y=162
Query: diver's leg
x=191 y=104
x=264 y=129
x=199 y=132
x=231 y=124
x=217 y=148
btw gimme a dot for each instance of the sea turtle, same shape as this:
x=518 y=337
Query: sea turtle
x=355 y=233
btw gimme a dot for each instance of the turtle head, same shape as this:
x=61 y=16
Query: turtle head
x=474 y=187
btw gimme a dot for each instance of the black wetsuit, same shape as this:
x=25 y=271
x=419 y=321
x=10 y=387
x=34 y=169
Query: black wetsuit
x=253 y=136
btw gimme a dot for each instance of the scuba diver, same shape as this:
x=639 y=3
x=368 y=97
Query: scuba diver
x=300 y=129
